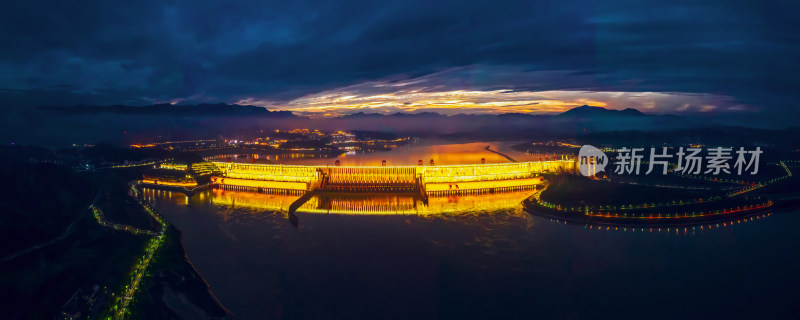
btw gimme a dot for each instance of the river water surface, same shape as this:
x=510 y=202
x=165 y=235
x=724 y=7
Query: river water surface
x=476 y=257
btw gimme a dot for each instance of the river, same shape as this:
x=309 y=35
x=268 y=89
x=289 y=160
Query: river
x=475 y=257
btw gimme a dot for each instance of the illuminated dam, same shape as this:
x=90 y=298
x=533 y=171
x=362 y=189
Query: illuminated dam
x=424 y=180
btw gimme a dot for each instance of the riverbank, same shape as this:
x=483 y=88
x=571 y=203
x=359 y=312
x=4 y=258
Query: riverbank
x=174 y=288
x=596 y=202
x=60 y=261
x=161 y=274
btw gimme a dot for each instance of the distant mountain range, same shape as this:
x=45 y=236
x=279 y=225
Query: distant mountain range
x=579 y=119
x=115 y=124
x=219 y=109
x=577 y=112
x=589 y=111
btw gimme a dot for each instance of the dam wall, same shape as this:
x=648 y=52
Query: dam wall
x=444 y=179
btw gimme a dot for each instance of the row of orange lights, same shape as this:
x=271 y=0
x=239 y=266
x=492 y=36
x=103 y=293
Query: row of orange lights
x=669 y=229
x=685 y=215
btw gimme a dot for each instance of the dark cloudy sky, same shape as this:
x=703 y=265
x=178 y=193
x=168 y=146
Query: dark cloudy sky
x=333 y=57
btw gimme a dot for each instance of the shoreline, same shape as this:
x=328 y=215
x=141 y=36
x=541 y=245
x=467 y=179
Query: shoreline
x=176 y=288
x=173 y=287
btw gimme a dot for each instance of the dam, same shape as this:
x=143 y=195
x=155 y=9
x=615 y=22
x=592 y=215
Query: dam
x=424 y=180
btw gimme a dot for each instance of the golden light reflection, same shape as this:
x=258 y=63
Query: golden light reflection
x=372 y=204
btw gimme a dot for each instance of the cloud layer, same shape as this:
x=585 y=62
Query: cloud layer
x=454 y=56
x=540 y=94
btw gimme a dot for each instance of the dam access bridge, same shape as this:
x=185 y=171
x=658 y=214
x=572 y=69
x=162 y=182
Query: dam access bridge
x=424 y=180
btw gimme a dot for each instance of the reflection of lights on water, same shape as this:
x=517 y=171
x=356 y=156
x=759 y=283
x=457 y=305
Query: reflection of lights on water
x=483 y=205
x=154 y=195
x=670 y=230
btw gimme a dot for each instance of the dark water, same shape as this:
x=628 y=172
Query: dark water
x=479 y=257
